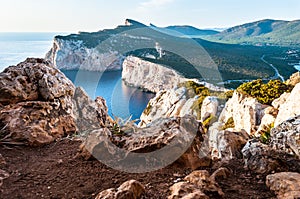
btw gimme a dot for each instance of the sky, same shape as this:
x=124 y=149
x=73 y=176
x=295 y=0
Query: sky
x=94 y=15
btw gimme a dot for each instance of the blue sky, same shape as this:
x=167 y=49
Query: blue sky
x=93 y=15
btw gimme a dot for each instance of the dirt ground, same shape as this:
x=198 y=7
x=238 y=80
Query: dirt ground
x=53 y=171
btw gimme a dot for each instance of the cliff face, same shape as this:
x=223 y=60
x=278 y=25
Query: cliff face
x=73 y=54
x=149 y=76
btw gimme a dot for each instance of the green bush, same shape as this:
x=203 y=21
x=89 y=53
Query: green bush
x=265 y=93
x=229 y=124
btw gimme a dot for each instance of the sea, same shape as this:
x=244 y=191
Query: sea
x=123 y=101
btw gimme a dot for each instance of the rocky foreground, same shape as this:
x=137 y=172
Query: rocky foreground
x=173 y=156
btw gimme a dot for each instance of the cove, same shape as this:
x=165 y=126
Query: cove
x=122 y=101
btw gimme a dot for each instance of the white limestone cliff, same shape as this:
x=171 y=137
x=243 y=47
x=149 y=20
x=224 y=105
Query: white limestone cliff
x=149 y=76
x=73 y=54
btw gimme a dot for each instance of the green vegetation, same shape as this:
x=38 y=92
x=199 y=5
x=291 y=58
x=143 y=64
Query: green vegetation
x=194 y=89
x=264 y=32
x=210 y=120
x=228 y=124
x=266 y=133
x=148 y=109
x=265 y=93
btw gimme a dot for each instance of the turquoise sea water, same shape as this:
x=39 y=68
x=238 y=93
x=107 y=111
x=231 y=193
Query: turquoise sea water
x=121 y=100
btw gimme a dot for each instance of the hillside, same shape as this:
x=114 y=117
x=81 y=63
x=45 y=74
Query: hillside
x=190 y=30
x=264 y=32
x=107 y=48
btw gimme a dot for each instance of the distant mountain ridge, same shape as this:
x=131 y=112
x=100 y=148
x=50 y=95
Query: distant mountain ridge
x=264 y=32
x=190 y=30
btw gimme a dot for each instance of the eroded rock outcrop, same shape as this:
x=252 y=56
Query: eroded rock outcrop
x=290 y=108
x=39 y=104
x=286 y=185
x=138 y=150
x=246 y=112
x=170 y=103
x=131 y=189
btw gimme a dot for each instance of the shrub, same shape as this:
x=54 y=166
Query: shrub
x=265 y=93
x=229 y=124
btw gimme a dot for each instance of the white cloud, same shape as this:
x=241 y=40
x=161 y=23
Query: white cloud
x=154 y=3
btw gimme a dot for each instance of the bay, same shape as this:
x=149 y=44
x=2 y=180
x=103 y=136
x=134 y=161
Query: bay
x=122 y=101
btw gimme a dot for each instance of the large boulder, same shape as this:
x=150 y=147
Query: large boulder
x=209 y=107
x=131 y=189
x=226 y=144
x=246 y=112
x=286 y=185
x=290 y=108
x=263 y=159
x=39 y=105
x=286 y=137
x=196 y=184
x=137 y=150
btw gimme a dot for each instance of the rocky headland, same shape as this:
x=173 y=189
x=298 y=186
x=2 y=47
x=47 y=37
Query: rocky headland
x=202 y=142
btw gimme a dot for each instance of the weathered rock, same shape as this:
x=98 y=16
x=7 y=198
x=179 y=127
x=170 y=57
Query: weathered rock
x=88 y=114
x=294 y=79
x=245 y=111
x=286 y=137
x=209 y=107
x=150 y=148
x=32 y=80
x=40 y=106
x=267 y=122
x=281 y=100
x=171 y=103
x=35 y=123
x=226 y=144
x=286 y=185
x=261 y=158
x=186 y=190
x=131 y=189
x=149 y=76
x=291 y=106
x=197 y=183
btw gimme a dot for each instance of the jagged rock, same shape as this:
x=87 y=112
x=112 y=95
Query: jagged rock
x=88 y=114
x=261 y=158
x=286 y=185
x=38 y=99
x=294 y=79
x=150 y=148
x=186 y=190
x=40 y=106
x=245 y=111
x=131 y=189
x=170 y=103
x=267 y=122
x=149 y=76
x=196 y=183
x=290 y=108
x=281 y=100
x=286 y=137
x=209 y=107
x=226 y=144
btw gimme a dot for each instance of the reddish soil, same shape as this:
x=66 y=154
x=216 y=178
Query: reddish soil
x=53 y=171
